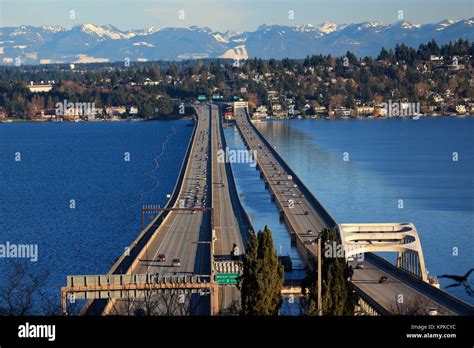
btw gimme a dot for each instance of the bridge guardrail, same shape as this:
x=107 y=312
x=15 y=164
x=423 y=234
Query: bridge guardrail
x=369 y=300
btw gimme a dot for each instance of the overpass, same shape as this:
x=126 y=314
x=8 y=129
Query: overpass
x=305 y=217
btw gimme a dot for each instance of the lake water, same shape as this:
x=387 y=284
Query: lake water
x=396 y=170
x=84 y=162
x=389 y=160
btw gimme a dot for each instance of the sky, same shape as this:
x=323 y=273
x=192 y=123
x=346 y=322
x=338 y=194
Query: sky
x=222 y=15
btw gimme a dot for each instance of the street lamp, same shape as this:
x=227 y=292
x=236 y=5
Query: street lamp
x=320 y=300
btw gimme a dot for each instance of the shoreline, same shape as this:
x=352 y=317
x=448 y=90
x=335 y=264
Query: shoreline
x=415 y=117
x=171 y=118
x=190 y=117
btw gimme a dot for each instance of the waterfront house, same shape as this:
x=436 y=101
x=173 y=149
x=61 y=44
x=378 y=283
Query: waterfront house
x=41 y=87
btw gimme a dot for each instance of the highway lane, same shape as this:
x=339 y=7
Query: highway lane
x=184 y=236
x=226 y=225
x=307 y=223
x=183 y=233
x=423 y=292
x=395 y=290
x=229 y=230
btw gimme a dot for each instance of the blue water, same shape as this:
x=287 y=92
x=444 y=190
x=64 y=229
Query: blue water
x=392 y=160
x=83 y=162
x=388 y=160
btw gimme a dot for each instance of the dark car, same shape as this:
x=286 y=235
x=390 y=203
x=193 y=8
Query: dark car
x=162 y=258
x=383 y=280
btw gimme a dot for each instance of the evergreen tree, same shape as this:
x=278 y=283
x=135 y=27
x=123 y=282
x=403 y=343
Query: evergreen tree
x=262 y=278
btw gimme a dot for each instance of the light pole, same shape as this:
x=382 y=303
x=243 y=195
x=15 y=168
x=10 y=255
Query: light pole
x=320 y=259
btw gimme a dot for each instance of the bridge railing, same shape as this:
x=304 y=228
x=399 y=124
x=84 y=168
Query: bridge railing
x=368 y=304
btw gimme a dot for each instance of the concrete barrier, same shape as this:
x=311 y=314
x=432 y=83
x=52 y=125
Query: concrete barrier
x=242 y=217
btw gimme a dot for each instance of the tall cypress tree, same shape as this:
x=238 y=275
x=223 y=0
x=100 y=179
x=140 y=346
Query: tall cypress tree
x=248 y=283
x=262 y=277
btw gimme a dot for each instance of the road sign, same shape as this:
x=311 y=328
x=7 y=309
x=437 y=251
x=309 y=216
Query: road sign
x=226 y=278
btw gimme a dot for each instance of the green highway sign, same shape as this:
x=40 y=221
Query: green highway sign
x=226 y=278
x=201 y=97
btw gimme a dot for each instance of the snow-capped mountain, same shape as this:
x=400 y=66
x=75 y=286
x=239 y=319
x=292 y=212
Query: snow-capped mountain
x=102 y=43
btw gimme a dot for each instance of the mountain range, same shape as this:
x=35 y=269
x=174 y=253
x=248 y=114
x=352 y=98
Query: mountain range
x=105 y=43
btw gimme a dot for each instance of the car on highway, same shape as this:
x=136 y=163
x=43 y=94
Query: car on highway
x=162 y=258
x=176 y=262
x=383 y=280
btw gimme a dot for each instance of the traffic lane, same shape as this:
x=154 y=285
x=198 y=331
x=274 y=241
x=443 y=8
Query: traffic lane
x=226 y=224
x=387 y=294
x=172 y=245
x=169 y=241
x=423 y=288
